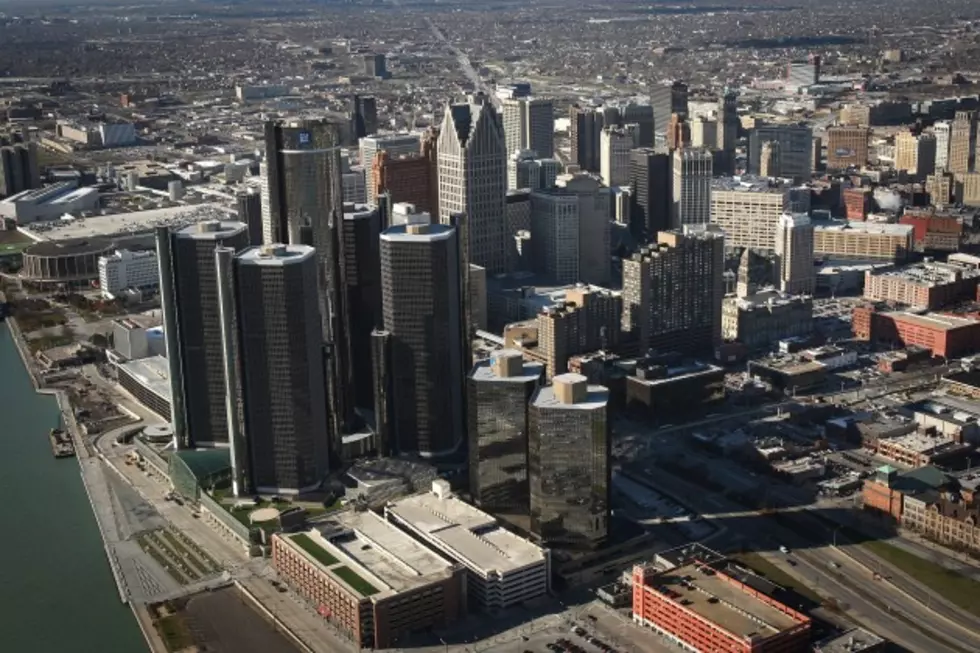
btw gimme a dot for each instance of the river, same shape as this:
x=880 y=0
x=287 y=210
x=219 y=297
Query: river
x=56 y=591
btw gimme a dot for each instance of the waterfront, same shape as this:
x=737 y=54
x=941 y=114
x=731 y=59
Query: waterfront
x=57 y=592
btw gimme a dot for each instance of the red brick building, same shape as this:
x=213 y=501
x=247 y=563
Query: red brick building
x=921 y=285
x=408 y=178
x=857 y=203
x=944 y=335
x=933 y=232
x=703 y=609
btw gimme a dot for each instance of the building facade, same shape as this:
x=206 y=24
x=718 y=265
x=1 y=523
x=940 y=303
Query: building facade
x=963 y=143
x=795 y=150
x=529 y=124
x=650 y=197
x=794 y=254
x=691 y=187
x=126 y=269
x=615 y=144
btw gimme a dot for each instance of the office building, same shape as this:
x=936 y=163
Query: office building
x=362 y=226
x=672 y=292
x=762 y=319
x=498 y=392
x=124 y=269
x=963 y=143
x=794 y=254
x=704 y=133
x=422 y=307
x=915 y=154
x=364 y=116
x=529 y=124
x=727 y=128
x=353 y=185
x=276 y=326
x=615 y=144
x=702 y=608
x=863 y=240
x=375 y=66
x=748 y=208
x=642 y=116
x=585 y=129
x=942 y=131
x=192 y=324
x=19 y=169
x=795 y=151
x=473 y=180
x=502 y=569
x=526 y=170
x=668 y=100
x=800 y=74
x=946 y=336
x=408 y=178
x=929 y=285
x=691 y=187
x=371 y=581
x=588 y=319
x=392 y=144
x=678 y=132
x=569 y=463
x=967 y=189
x=49 y=203
x=249 y=208
x=650 y=197
x=570 y=231
x=847 y=147
x=940 y=187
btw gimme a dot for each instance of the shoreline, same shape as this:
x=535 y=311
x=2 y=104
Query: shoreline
x=82 y=454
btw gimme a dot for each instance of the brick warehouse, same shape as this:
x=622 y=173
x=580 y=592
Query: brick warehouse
x=944 y=335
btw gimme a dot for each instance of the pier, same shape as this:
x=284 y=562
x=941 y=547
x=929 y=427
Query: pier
x=61 y=444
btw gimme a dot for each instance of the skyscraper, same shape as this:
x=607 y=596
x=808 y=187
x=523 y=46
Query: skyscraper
x=526 y=170
x=192 y=326
x=691 y=186
x=942 y=130
x=361 y=230
x=678 y=132
x=640 y=115
x=364 y=116
x=672 y=291
x=704 y=132
x=394 y=145
x=19 y=168
x=795 y=148
x=589 y=319
x=569 y=462
x=794 y=254
x=249 y=207
x=529 y=124
x=473 y=179
x=915 y=153
x=963 y=142
x=728 y=125
x=498 y=392
x=651 y=198
x=847 y=147
x=585 y=129
x=422 y=299
x=280 y=363
x=668 y=100
x=615 y=144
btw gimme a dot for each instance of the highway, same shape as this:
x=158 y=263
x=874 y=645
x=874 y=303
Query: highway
x=464 y=64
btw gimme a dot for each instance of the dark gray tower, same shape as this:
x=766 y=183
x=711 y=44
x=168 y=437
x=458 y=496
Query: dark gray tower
x=362 y=228
x=641 y=115
x=727 y=130
x=498 y=392
x=249 y=205
x=192 y=318
x=568 y=462
x=422 y=305
x=381 y=378
x=586 y=129
x=283 y=384
x=650 y=201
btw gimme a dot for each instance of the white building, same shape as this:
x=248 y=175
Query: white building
x=615 y=144
x=526 y=170
x=529 y=124
x=692 y=187
x=126 y=269
x=942 y=131
x=49 y=203
x=355 y=189
x=794 y=254
x=502 y=569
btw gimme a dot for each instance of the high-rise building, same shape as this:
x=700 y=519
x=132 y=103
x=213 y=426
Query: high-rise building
x=585 y=129
x=407 y=178
x=375 y=66
x=915 y=153
x=748 y=208
x=498 y=392
x=422 y=305
x=529 y=124
x=280 y=365
x=615 y=144
x=192 y=327
x=19 y=169
x=672 y=291
x=362 y=227
x=691 y=187
x=668 y=100
x=769 y=160
x=704 y=132
x=942 y=130
x=354 y=185
x=651 y=198
x=249 y=206
x=795 y=153
x=794 y=254
x=364 y=116
x=847 y=147
x=963 y=142
x=800 y=74
x=526 y=170
x=570 y=231
x=394 y=145
x=569 y=463
x=473 y=179
x=589 y=319
x=727 y=131
x=678 y=132
x=640 y=115
x=940 y=187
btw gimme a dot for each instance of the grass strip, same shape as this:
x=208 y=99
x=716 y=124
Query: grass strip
x=319 y=554
x=348 y=575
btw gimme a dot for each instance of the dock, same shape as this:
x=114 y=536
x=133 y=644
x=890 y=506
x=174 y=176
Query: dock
x=61 y=444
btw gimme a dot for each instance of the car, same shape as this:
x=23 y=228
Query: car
x=783 y=549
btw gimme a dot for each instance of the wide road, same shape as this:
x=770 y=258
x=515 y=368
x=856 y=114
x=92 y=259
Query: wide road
x=879 y=605
x=464 y=64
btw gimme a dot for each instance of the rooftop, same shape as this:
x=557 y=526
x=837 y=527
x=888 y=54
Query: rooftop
x=275 y=255
x=597 y=397
x=483 y=370
x=212 y=229
x=854 y=640
x=723 y=601
x=928 y=274
x=430 y=233
x=865 y=227
x=125 y=223
x=932 y=320
x=751 y=184
x=921 y=443
x=469 y=534
x=153 y=373
x=73 y=247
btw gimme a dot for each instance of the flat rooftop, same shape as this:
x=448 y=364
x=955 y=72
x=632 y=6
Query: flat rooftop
x=928 y=274
x=923 y=444
x=126 y=223
x=723 y=602
x=686 y=370
x=483 y=370
x=371 y=556
x=865 y=227
x=855 y=640
x=596 y=397
x=932 y=320
x=471 y=535
x=153 y=373
x=752 y=184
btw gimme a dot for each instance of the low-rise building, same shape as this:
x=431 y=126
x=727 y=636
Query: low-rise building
x=760 y=320
x=886 y=490
x=667 y=388
x=855 y=640
x=927 y=285
x=945 y=336
x=919 y=449
x=148 y=380
x=124 y=269
x=49 y=203
x=863 y=240
x=502 y=569
x=370 y=580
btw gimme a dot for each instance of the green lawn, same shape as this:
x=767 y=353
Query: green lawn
x=956 y=588
x=176 y=636
x=763 y=567
x=318 y=552
x=348 y=576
